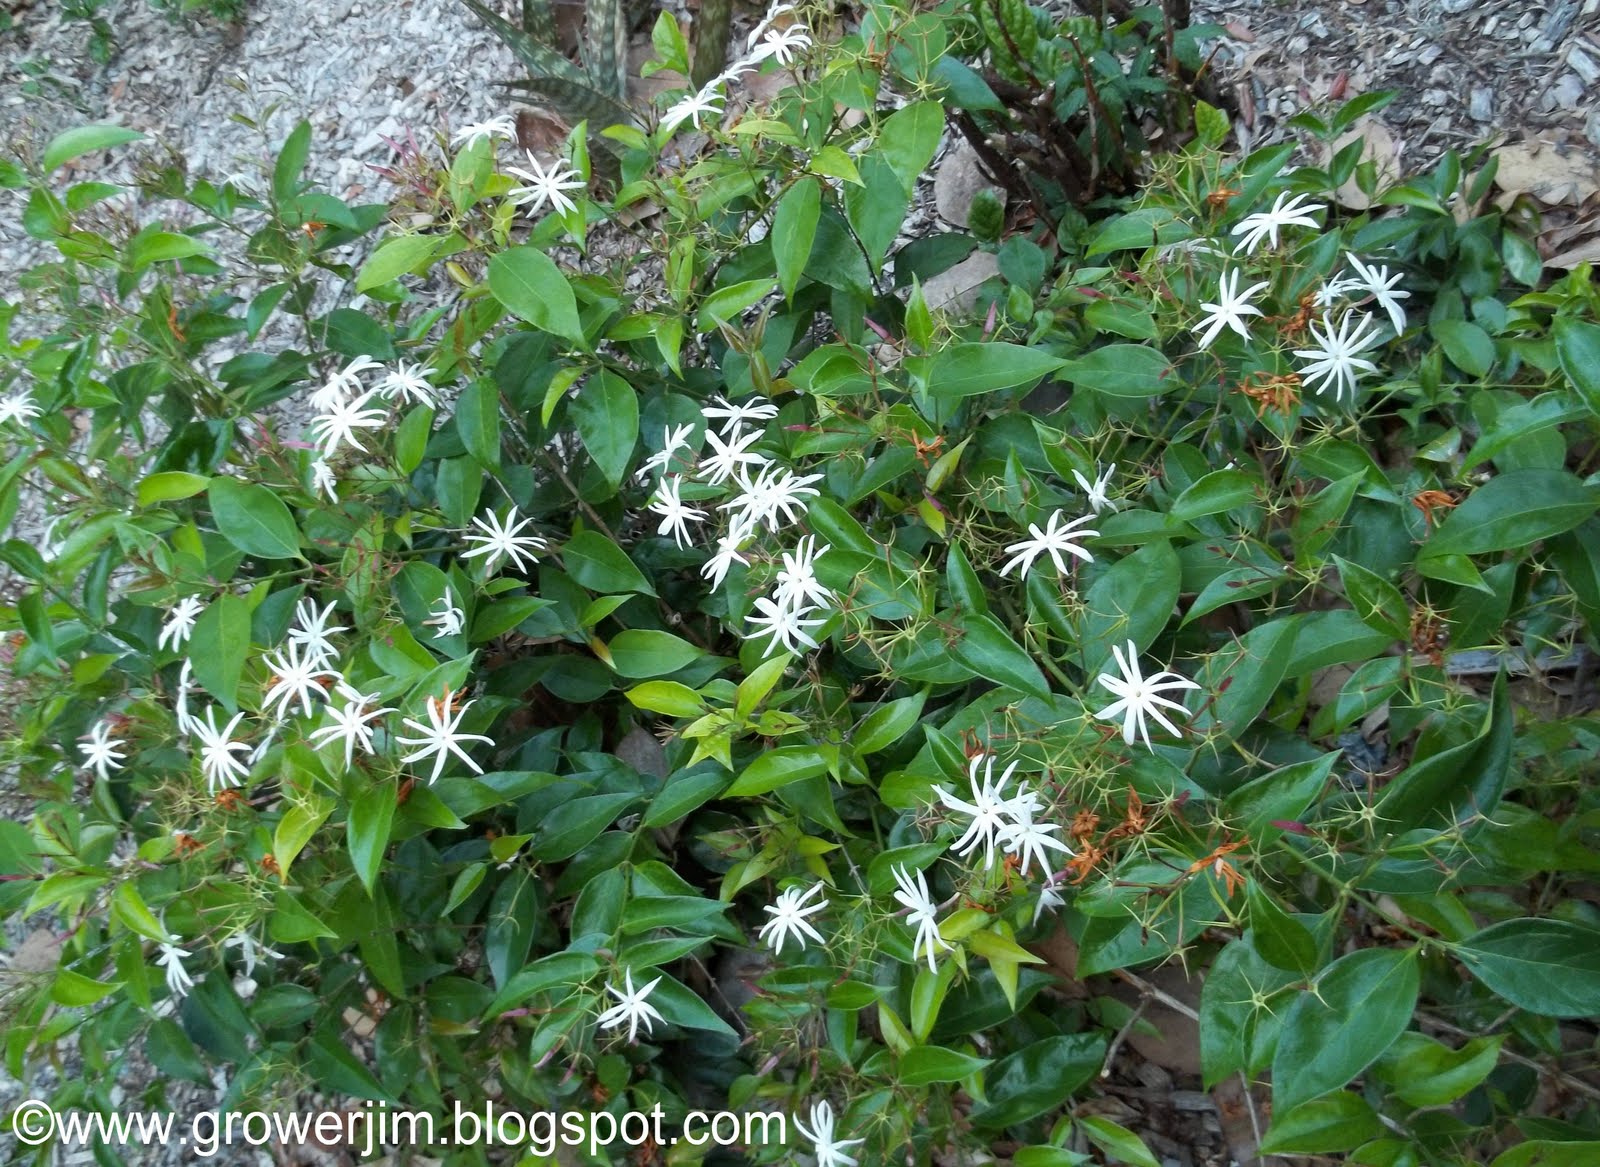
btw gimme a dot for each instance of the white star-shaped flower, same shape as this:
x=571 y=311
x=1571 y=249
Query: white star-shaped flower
x=406 y=380
x=631 y=1007
x=18 y=406
x=1380 y=285
x=545 y=186
x=171 y=959
x=337 y=424
x=1049 y=899
x=675 y=515
x=500 y=539
x=757 y=409
x=1285 y=212
x=729 y=456
x=324 y=480
x=101 y=753
x=500 y=126
x=250 y=951
x=789 y=914
x=1139 y=696
x=350 y=725
x=445 y=616
x=828 y=1150
x=914 y=895
x=775 y=493
x=797 y=582
x=1025 y=838
x=1095 y=491
x=1055 y=539
x=674 y=438
x=343 y=385
x=217 y=747
x=1336 y=361
x=786 y=626
x=295 y=676
x=989 y=810
x=180 y=622
x=728 y=552
x=312 y=629
x=1229 y=310
x=782 y=44
x=442 y=736
x=692 y=108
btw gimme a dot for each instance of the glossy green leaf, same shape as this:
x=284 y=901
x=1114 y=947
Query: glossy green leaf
x=1512 y=511
x=1361 y=1005
x=987 y=649
x=253 y=518
x=531 y=286
x=606 y=414
x=1548 y=967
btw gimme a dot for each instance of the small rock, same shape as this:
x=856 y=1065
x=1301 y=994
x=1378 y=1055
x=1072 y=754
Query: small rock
x=1435 y=97
x=1429 y=55
x=1568 y=91
x=1455 y=7
x=956 y=289
x=958 y=182
x=1481 y=108
x=1298 y=46
x=1583 y=65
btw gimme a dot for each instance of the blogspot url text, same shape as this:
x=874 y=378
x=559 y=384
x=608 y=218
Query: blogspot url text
x=374 y=1126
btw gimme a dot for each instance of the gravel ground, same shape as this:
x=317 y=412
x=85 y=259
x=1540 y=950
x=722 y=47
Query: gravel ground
x=366 y=70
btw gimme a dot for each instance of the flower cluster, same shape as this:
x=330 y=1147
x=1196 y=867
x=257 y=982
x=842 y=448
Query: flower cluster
x=767 y=498
x=767 y=40
x=1334 y=360
x=346 y=406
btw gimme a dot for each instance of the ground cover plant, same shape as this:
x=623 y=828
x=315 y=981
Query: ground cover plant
x=700 y=673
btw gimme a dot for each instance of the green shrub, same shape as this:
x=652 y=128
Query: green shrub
x=724 y=627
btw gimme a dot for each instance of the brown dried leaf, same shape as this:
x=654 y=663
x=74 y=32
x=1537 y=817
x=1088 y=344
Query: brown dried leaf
x=1538 y=168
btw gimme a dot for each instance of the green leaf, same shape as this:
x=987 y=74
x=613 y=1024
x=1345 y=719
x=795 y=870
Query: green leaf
x=81 y=140
x=1210 y=124
x=887 y=724
x=923 y=1065
x=290 y=922
x=296 y=828
x=606 y=414
x=679 y=1006
x=398 y=256
x=667 y=697
x=1122 y=370
x=1282 y=941
x=908 y=140
x=1459 y=784
x=1038 y=1078
x=224 y=630
x=500 y=617
x=643 y=652
x=559 y=970
x=367 y=831
x=478 y=422
x=645 y=913
x=1376 y=601
x=1358 y=1008
x=1468 y=346
x=1281 y=796
x=794 y=230
x=1132 y=600
x=684 y=792
x=76 y=990
x=1121 y=1144
x=1550 y=1153
x=1323 y=1126
x=253 y=519
x=1512 y=511
x=1578 y=349
x=1548 y=967
x=987 y=649
x=169 y=486
x=532 y=288
x=779 y=767
x=570 y=827
x=151 y=247
x=601 y=566
x=726 y=305
x=291 y=162
x=1424 y=1072
x=1214 y=494
x=965 y=370
x=514 y=915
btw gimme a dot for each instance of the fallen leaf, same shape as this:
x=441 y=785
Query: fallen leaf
x=1379 y=147
x=1538 y=168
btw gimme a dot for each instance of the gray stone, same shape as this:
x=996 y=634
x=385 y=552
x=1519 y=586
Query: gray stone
x=958 y=182
x=1481 y=108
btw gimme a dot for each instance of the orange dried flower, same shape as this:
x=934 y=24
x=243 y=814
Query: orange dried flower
x=1429 y=501
x=1278 y=393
